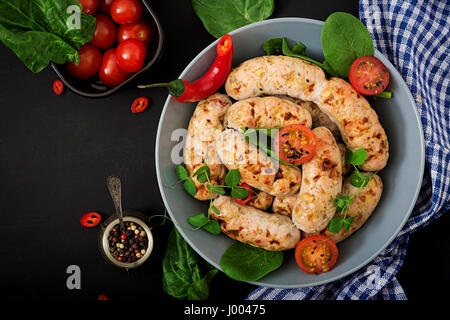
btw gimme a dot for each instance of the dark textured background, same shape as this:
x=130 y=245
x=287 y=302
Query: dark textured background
x=56 y=152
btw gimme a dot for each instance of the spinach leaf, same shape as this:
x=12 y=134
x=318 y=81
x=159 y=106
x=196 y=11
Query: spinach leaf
x=243 y=262
x=344 y=39
x=39 y=31
x=222 y=16
x=185 y=274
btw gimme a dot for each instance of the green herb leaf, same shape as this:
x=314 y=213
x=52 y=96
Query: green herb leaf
x=216 y=189
x=341 y=203
x=344 y=39
x=335 y=224
x=348 y=222
x=216 y=211
x=232 y=178
x=223 y=16
x=202 y=174
x=190 y=188
x=240 y=193
x=243 y=262
x=181 y=172
x=356 y=158
x=39 y=31
x=359 y=180
x=299 y=48
x=199 y=290
x=198 y=221
x=212 y=227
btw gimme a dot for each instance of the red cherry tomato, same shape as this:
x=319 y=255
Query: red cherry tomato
x=139 y=30
x=368 y=75
x=90 y=61
x=316 y=254
x=250 y=194
x=139 y=105
x=131 y=55
x=126 y=11
x=105 y=6
x=58 y=87
x=102 y=297
x=110 y=73
x=90 y=219
x=295 y=144
x=105 y=32
x=89 y=6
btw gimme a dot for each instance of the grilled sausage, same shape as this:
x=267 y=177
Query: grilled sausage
x=346 y=168
x=261 y=201
x=266 y=112
x=361 y=207
x=256 y=227
x=256 y=168
x=321 y=183
x=205 y=123
x=284 y=205
x=358 y=123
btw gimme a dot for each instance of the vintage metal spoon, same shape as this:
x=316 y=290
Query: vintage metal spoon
x=115 y=190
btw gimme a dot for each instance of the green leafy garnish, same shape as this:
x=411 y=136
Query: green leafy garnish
x=356 y=158
x=202 y=174
x=181 y=172
x=384 y=94
x=190 y=188
x=240 y=193
x=202 y=221
x=232 y=178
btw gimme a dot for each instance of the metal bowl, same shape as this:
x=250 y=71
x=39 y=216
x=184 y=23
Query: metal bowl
x=94 y=88
x=129 y=216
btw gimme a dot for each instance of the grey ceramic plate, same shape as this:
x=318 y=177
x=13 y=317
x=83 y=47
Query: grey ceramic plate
x=402 y=177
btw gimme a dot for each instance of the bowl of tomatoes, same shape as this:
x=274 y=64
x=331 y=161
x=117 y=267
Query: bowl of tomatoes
x=127 y=41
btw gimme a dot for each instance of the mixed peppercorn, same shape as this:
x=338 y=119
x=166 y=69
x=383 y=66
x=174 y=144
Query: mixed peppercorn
x=129 y=246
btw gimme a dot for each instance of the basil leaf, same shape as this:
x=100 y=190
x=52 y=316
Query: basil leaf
x=243 y=262
x=222 y=16
x=344 y=39
x=232 y=178
x=216 y=189
x=202 y=174
x=335 y=224
x=39 y=31
x=240 y=193
x=348 y=223
x=181 y=172
x=190 y=188
x=185 y=274
x=198 y=221
x=356 y=158
x=212 y=227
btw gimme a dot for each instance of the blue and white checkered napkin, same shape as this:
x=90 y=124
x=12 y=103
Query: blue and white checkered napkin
x=414 y=36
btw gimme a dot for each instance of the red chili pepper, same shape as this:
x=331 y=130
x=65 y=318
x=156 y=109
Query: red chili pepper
x=139 y=105
x=90 y=219
x=58 y=87
x=210 y=82
x=250 y=194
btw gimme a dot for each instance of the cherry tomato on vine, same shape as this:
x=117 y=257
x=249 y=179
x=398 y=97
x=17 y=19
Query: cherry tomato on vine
x=110 y=73
x=126 y=11
x=139 y=105
x=90 y=219
x=105 y=6
x=58 y=87
x=105 y=32
x=368 y=75
x=250 y=194
x=131 y=55
x=140 y=30
x=316 y=254
x=90 y=61
x=295 y=144
x=89 y=6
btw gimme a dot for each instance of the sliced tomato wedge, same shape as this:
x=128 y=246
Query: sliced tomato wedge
x=368 y=75
x=139 y=105
x=250 y=193
x=295 y=144
x=316 y=254
x=90 y=219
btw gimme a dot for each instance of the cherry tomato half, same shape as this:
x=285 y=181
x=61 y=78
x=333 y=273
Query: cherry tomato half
x=126 y=11
x=58 y=87
x=139 y=30
x=105 y=6
x=295 y=144
x=368 y=75
x=250 y=194
x=90 y=219
x=139 y=105
x=316 y=254
x=89 y=6
x=90 y=61
x=131 y=55
x=105 y=32
x=110 y=73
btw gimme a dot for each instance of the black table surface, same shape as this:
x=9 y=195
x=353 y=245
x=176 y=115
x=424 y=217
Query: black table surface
x=56 y=152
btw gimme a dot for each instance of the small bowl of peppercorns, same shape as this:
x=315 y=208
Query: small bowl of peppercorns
x=130 y=248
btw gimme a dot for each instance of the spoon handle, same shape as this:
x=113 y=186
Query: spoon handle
x=115 y=190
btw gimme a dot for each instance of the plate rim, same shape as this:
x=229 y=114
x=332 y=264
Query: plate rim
x=402 y=83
